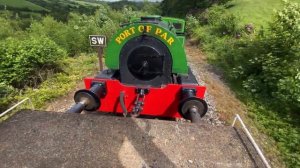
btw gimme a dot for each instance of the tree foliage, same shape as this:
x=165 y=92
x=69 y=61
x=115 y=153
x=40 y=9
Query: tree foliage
x=179 y=8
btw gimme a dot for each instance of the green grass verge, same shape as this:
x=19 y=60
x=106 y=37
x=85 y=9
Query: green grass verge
x=257 y=12
x=282 y=130
x=21 y=4
x=59 y=84
x=62 y=83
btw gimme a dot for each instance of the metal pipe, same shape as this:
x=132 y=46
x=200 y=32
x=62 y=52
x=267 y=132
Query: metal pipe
x=8 y=110
x=233 y=123
x=252 y=140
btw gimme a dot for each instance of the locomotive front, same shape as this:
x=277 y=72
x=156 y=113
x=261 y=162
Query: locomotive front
x=147 y=74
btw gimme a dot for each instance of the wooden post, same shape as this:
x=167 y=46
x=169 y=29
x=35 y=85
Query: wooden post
x=100 y=42
x=100 y=57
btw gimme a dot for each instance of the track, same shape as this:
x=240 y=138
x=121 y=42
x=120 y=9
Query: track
x=50 y=139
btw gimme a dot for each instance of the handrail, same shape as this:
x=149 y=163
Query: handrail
x=16 y=105
x=263 y=158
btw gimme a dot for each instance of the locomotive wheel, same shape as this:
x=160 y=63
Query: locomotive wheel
x=145 y=60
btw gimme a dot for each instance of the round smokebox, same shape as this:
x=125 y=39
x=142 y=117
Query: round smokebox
x=145 y=60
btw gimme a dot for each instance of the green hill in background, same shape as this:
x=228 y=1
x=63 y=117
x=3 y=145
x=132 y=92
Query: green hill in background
x=258 y=12
x=60 y=9
x=20 y=4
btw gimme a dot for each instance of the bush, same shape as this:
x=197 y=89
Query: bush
x=50 y=28
x=221 y=21
x=284 y=43
x=271 y=63
x=26 y=62
x=6 y=95
x=73 y=35
x=264 y=68
x=7 y=28
x=191 y=23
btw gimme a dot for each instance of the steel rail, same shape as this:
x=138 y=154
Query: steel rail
x=16 y=105
x=263 y=158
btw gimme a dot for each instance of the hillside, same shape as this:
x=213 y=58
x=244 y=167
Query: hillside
x=257 y=12
x=59 y=9
x=20 y=4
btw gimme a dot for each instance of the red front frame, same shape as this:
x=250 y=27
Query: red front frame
x=160 y=102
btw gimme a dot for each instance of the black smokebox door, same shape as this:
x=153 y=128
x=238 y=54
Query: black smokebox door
x=145 y=60
x=145 y=63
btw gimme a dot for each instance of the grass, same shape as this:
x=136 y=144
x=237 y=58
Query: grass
x=257 y=12
x=62 y=83
x=21 y=4
x=282 y=130
x=59 y=84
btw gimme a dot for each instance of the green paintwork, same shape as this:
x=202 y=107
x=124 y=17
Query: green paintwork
x=177 y=51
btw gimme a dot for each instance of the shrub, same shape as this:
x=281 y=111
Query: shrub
x=6 y=95
x=284 y=43
x=191 y=23
x=26 y=62
x=50 y=28
x=271 y=63
x=221 y=21
x=7 y=28
x=73 y=35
